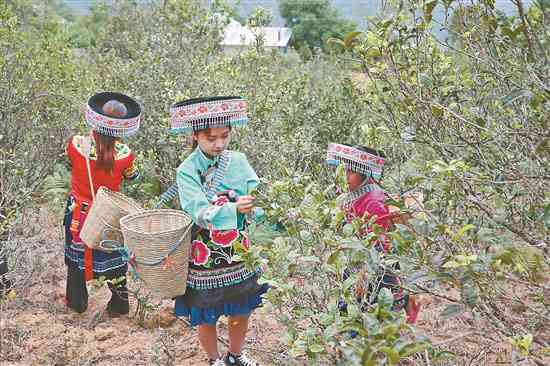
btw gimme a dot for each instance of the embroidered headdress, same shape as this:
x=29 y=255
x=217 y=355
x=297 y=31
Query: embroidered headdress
x=202 y=113
x=121 y=124
x=366 y=161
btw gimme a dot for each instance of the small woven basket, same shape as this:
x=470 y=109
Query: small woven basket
x=159 y=242
x=101 y=228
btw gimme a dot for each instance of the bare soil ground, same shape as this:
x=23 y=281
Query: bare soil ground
x=37 y=329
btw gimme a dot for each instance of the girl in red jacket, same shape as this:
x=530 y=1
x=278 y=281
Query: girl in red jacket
x=110 y=117
x=364 y=200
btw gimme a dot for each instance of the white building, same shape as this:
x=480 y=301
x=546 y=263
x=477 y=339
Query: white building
x=238 y=37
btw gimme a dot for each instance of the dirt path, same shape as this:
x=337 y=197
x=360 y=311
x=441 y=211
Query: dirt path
x=46 y=333
x=37 y=328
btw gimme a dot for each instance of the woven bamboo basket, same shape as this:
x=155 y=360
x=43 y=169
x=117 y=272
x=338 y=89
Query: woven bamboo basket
x=159 y=242
x=101 y=228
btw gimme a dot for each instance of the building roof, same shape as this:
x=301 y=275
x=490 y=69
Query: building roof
x=237 y=35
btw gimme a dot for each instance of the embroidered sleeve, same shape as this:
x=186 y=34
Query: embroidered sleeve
x=131 y=172
x=194 y=202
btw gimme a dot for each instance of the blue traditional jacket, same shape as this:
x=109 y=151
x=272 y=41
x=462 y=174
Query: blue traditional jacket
x=208 y=191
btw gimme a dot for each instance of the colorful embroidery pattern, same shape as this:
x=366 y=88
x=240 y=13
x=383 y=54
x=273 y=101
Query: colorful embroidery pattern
x=213 y=247
x=224 y=239
x=111 y=126
x=131 y=172
x=216 y=113
x=200 y=253
x=355 y=160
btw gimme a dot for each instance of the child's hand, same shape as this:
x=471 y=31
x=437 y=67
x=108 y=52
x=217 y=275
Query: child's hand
x=245 y=204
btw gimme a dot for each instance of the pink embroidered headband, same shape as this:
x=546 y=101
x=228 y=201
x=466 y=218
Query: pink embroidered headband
x=356 y=160
x=202 y=113
x=99 y=121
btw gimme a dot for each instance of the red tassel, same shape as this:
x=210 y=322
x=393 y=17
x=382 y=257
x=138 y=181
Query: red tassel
x=413 y=309
x=75 y=222
x=88 y=263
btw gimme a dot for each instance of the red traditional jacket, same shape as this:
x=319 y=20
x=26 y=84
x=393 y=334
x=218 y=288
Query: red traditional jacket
x=366 y=205
x=80 y=186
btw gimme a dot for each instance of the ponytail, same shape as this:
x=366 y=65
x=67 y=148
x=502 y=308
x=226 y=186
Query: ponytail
x=105 y=149
x=105 y=145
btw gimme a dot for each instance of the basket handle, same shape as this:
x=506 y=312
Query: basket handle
x=110 y=245
x=170 y=252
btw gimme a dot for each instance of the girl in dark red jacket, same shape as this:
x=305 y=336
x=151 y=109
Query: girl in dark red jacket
x=110 y=117
x=364 y=200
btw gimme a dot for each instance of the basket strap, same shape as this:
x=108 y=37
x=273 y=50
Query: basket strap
x=87 y=151
x=88 y=253
x=170 y=252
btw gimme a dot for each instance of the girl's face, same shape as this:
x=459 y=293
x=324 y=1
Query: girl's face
x=213 y=141
x=354 y=180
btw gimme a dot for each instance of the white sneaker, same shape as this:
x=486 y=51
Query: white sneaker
x=241 y=360
x=217 y=362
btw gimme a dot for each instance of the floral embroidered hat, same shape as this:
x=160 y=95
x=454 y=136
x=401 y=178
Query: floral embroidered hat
x=201 y=113
x=113 y=114
x=359 y=159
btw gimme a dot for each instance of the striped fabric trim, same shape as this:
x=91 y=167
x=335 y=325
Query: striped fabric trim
x=348 y=199
x=219 y=175
x=76 y=255
x=167 y=196
x=218 y=278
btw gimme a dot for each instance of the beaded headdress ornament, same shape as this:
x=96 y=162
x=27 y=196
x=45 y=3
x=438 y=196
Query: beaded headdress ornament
x=202 y=113
x=368 y=163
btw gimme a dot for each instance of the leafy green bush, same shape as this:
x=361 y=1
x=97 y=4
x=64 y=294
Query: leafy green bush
x=35 y=116
x=305 y=266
